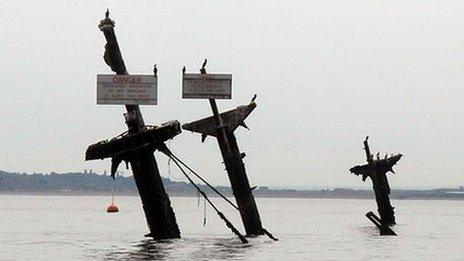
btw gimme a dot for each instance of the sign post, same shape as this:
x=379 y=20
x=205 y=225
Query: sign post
x=222 y=126
x=136 y=147
x=127 y=89
x=206 y=86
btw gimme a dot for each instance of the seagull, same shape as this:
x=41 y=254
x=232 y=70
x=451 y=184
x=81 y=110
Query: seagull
x=155 y=70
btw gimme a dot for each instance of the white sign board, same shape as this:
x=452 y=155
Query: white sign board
x=207 y=86
x=127 y=89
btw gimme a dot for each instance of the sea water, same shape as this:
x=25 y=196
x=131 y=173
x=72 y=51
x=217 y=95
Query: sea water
x=78 y=228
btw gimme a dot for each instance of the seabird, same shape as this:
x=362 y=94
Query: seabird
x=254 y=98
x=204 y=64
x=203 y=69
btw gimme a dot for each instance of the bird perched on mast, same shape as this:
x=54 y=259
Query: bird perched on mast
x=203 y=66
x=254 y=98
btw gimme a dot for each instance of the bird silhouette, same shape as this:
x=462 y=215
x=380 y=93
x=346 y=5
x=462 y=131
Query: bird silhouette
x=155 y=70
x=203 y=69
x=204 y=64
x=254 y=98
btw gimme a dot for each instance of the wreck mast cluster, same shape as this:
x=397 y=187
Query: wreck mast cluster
x=136 y=148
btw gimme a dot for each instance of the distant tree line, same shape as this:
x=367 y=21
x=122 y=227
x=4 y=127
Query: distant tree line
x=89 y=182
x=76 y=182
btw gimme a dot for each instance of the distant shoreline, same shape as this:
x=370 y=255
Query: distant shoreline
x=91 y=184
x=298 y=195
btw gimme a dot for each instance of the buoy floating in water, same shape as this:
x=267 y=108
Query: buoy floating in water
x=112 y=208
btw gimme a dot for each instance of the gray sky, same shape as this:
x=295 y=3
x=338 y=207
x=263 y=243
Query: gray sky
x=327 y=73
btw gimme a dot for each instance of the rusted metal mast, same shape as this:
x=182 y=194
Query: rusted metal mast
x=137 y=147
x=376 y=169
x=222 y=126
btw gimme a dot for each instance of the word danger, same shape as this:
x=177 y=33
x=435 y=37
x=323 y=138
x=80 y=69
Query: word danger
x=127 y=89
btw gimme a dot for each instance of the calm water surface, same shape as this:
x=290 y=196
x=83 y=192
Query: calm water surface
x=78 y=228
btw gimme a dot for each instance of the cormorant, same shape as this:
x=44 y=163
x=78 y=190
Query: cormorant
x=254 y=98
x=203 y=69
x=204 y=64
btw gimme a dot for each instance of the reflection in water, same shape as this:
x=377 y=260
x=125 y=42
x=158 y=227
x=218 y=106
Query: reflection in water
x=197 y=249
x=147 y=249
x=220 y=249
x=369 y=230
x=150 y=249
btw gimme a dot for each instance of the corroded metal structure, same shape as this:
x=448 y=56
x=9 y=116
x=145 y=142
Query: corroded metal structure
x=136 y=148
x=222 y=126
x=376 y=169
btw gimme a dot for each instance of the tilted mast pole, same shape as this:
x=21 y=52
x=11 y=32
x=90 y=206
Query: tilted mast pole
x=156 y=204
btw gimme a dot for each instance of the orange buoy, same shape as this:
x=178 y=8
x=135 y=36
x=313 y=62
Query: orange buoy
x=112 y=208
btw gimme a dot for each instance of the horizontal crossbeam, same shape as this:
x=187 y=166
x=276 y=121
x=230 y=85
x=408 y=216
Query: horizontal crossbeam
x=125 y=144
x=232 y=119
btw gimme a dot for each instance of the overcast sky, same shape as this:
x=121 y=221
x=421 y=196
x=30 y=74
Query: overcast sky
x=327 y=73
